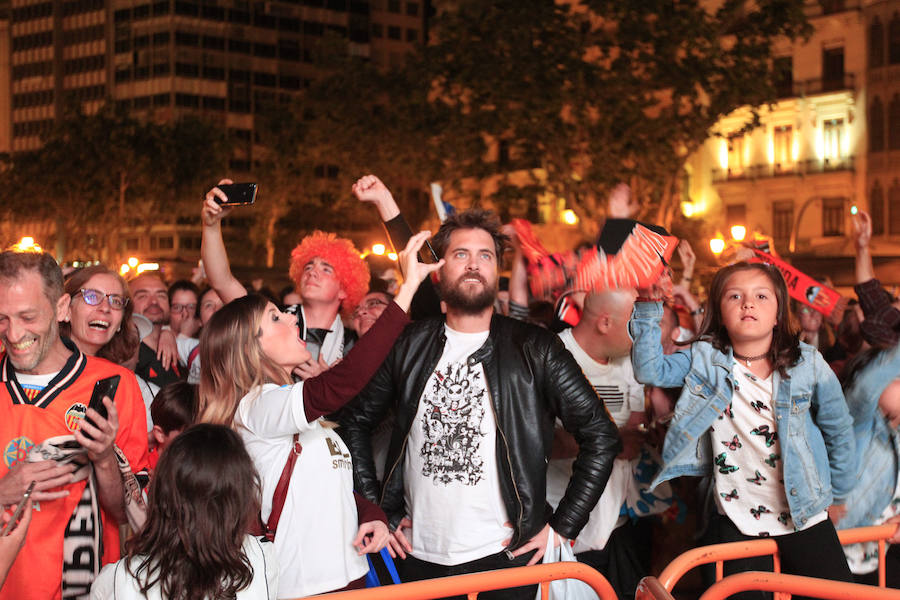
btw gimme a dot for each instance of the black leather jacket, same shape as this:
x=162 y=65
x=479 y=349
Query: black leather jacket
x=532 y=380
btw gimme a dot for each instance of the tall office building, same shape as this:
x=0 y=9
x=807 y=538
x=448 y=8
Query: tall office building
x=221 y=58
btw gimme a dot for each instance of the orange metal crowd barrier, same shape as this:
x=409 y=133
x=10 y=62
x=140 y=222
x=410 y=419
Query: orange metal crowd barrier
x=719 y=553
x=794 y=584
x=474 y=583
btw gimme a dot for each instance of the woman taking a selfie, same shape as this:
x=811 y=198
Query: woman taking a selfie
x=248 y=350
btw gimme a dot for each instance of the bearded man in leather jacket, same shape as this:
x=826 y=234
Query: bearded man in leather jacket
x=474 y=398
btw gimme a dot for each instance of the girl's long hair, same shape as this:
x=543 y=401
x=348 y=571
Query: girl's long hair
x=232 y=361
x=202 y=496
x=785 y=349
x=124 y=343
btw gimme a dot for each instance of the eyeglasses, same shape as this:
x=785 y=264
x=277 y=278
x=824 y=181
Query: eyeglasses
x=95 y=298
x=369 y=305
x=184 y=307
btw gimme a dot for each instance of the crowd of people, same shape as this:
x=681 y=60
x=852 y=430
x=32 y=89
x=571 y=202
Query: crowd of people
x=254 y=446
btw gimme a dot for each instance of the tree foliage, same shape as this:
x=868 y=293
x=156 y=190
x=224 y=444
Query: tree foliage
x=96 y=174
x=577 y=96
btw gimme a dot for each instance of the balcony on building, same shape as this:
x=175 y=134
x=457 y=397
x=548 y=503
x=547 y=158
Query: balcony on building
x=797 y=168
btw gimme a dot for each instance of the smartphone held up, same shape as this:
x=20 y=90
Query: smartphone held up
x=104 y=388
x=238 y=194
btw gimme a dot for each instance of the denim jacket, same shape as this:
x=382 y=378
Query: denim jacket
x=814 y=425
x=876 y=442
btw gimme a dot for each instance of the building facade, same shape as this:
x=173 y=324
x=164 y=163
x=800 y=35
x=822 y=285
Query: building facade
x=821 y=151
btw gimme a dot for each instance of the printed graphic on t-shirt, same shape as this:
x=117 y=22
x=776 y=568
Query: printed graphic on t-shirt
x=612 y=395
x=454 y=410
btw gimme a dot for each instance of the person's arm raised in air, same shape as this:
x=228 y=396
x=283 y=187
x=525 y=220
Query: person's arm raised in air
x=212 y=248
x=325 y=393
x=371 y=189
x=881 y=326
x=651 y=365
x=518 y=278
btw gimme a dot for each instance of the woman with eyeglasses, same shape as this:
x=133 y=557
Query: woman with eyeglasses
x=100 y=315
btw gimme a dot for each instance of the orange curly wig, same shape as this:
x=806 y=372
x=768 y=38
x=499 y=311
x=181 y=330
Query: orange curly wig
x=340 y=253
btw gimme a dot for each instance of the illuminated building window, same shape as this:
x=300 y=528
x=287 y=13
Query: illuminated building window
x=876 y=208
x=876 y=125
x=782 y=219
x=736 y=153
x=876 y=43
x=832 y=216
x=783 y=141
x=832 y=137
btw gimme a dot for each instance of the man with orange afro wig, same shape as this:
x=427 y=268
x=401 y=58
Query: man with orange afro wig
x=331 y=278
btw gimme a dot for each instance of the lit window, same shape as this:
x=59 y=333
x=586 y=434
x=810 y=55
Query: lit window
x=832 y=139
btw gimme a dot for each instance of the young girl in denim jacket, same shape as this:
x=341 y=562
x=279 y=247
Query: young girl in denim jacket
x=872 y=388
x=760 y=411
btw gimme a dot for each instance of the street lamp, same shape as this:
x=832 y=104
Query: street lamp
x=717 y=245
x=27 y=244
x=569 y=217
x=738 y=233
x=378 y=249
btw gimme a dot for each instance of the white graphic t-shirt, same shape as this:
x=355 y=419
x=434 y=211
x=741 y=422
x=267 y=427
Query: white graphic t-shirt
x=450 y=469
x=748 y=469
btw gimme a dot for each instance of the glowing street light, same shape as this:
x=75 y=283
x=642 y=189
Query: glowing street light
x=27 y=244
x=717 y=245
x=738 y=233
x=569 y=217
x=123 y=269
x=378 y=249
x=133 y=262
x=392 y=255
x=147 y=267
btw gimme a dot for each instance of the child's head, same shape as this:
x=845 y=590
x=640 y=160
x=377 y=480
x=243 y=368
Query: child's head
x=233 y=360
x=173 y=409
x=749 y=302
x=202 y=497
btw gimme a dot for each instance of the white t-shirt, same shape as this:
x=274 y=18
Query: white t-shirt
x=185 y=346
x=614 y=382
x=114 y=580
x=452 y=486
x=622 y=394
x=33 y=384
x=319 y=519
x=749 y=469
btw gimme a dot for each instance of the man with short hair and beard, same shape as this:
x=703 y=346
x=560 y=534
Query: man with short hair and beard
x=475 y=396
x=151 y=299
x=45 y=388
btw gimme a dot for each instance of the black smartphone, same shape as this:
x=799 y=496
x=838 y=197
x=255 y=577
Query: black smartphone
x=7 y=529
x=238 y=193
x=434 y=256
x=104 y=387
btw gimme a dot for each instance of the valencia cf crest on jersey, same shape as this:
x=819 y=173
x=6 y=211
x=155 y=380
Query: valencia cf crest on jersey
x=74 y=415
x=16 y=450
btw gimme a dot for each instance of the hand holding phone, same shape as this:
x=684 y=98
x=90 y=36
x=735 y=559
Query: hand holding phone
x=104 y=388
x=10 y=525
x=237 y=193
